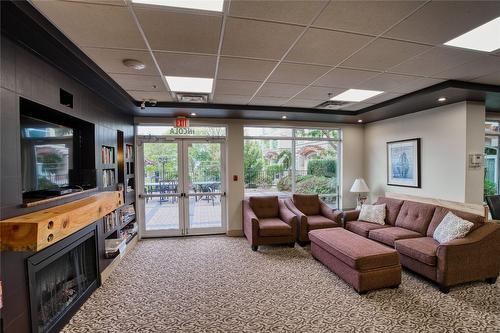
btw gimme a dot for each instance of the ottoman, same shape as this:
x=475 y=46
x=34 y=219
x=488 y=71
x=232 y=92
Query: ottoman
x=362 y=263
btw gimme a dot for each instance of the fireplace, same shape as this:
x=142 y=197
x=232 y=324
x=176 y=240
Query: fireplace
x=62 y=277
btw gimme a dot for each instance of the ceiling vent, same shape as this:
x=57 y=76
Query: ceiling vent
x=192 y=98
x=333 y=105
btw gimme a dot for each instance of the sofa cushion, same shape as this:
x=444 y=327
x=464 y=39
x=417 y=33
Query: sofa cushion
x=415 y=216
x=308 y=204
x=392 y=208
x=273 y=227
x=265 y=207
x=452 y=227
x=390 y=235
x=422 y=249
x=362 y=228
x=373 y=213
x=441 y=212
x=320 y=222
x=355 y=251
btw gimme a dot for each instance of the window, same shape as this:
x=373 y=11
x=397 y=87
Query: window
x=282 y=161
x=491 y=158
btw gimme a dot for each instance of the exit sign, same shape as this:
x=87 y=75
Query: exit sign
x=181 y=122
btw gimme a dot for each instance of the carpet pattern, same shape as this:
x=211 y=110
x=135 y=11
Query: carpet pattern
x=217 y=284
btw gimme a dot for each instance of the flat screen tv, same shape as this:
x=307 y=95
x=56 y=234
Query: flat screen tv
x=46 y=155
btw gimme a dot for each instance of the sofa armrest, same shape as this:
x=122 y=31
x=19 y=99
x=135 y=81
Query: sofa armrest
x=291 y=206
x=286 y=215
x=250 y=222
x=330 y=213
x=350 y=215
x=470 y=258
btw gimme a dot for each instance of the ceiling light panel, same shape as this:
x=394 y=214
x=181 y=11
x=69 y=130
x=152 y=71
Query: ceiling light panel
x=355 y=95
x=211 y=5
x=190 y=84
x=483 y=38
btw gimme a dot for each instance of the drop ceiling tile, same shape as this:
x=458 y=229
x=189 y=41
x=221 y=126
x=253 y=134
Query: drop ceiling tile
x=298 y=12
x=487 y=64
x=344 y=78
x=182 y=64
x=93 y=25
x=417 y=84
x=111 y=60
x=383 y=97
x=369 y=17
x=147 y=95
x=231 y=99
x=244 y=69
x=357 y=106
x=440 y=21
x=258 y=39
x=279 y=90
x=302 y=103
x=268 y=101
x=139 y=82
x=179 y=31
x=493 y=78
x=434 y=61
x=103 y=2
x=384 y=53
x=319 y=93
x=234 y=87
x=327 y=47
x=386 y=82
x=297 y=73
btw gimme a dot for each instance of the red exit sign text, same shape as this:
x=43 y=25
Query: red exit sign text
x=181 y=122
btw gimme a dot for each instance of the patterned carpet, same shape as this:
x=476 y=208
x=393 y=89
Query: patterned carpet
x=217 y=284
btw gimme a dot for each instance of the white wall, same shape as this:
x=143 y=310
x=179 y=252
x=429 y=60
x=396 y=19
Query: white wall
x=351 y=160
x=448 y=134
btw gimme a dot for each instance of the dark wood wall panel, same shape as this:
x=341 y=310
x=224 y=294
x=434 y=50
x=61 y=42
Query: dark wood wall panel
x=25 y=74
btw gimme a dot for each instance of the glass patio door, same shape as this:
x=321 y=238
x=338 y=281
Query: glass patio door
x=182 y=183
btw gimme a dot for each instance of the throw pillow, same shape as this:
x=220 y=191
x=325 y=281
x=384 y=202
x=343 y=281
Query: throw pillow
x=452 y=227
x=373 y=213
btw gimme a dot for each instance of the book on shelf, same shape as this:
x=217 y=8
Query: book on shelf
x=108 y=177
x=107 y=155
x=129 y=152
x=110 y=222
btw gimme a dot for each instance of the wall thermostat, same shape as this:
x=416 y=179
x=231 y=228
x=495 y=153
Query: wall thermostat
x=476 y=160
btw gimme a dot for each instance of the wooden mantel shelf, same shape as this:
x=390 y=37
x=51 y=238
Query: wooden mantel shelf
x=36 y=231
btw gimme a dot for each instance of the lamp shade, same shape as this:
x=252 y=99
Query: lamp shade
x=359 y=186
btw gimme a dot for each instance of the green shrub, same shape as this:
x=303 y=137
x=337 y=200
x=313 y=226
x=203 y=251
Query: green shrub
x=316 y=185
x=322 y=168
x=490 y=188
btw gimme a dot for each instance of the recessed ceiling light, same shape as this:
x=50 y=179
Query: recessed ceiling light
x=441 y=99
x=190 y=84
x=212 y=5
x=485 y=38
x=135 y=64
x=193 y=114
x=355 y=95
x=283 y=117
x=360 y=120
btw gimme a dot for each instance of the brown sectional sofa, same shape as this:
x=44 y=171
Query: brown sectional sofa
x=409 y=228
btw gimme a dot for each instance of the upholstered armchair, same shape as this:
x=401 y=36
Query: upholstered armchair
x=312 y=213
x=267 y=220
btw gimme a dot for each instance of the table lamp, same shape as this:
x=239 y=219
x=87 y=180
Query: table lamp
x=360 y=187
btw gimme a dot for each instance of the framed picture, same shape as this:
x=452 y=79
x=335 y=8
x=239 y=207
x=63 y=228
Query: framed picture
x=403 y=163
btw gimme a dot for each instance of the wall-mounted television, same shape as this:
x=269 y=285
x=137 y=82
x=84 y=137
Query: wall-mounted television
x=57 y=152
x=46 y=154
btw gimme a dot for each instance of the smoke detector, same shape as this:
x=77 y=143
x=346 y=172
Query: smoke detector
x=192 y=97
x=134 y=64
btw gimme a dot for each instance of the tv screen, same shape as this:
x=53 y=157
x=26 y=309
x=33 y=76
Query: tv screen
x=46 y=154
